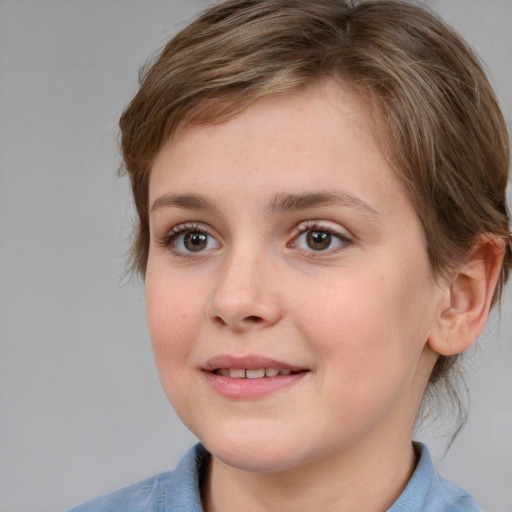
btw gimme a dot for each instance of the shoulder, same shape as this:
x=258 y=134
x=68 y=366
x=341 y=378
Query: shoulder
x=427 y=491
x=451 y=497
x=144 y=495
x=167 y=492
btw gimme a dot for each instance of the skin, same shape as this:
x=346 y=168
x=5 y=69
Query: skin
x=359 y=317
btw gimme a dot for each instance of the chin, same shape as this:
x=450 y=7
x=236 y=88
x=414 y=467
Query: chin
x=257 y=453
x=255 y=460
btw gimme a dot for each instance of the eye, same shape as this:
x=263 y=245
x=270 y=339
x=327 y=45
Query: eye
x=193 y=241
x=319 y=239
x=190 y=239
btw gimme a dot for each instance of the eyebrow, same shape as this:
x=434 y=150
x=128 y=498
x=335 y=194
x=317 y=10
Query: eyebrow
x=183 y=201
x=293 y=202
x=279 y=203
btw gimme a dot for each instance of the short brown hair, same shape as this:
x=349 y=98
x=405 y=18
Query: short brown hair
x=444 y=132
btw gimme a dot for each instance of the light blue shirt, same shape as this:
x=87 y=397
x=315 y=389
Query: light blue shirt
x=178 y=490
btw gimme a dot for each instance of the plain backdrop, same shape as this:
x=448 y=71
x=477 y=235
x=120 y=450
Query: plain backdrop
x=81 y=409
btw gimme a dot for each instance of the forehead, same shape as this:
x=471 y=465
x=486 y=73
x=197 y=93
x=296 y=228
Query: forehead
x=320 y=138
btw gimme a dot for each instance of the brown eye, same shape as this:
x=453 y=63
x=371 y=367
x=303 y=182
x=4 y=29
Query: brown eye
x=189 y=240
x=318 y=240
x=195 y=241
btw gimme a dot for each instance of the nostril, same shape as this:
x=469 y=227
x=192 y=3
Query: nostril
x=219 y=320
x=245 y=321
x=253 y=319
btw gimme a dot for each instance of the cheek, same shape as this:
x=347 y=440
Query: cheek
x=165 y=313
x=368 y=322
x=368 y=337
x=173 y=320
x=173 y=327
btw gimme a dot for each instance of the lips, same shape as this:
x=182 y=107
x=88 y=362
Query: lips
x=259 y=373
x=251 y=362
x=250 y=376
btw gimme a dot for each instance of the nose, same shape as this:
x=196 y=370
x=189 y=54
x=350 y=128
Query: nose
x=243 y=297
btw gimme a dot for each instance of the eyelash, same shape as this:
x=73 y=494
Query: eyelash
x=318 y=226
x=192 y=227
x=182 y=229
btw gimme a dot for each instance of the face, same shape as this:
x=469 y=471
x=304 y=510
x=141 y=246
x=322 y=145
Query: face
x=289 y=296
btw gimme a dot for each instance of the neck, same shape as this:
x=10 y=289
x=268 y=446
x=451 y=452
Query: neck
x=362 y=479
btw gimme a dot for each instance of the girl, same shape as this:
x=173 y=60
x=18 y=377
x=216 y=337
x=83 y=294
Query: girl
x=322 y=231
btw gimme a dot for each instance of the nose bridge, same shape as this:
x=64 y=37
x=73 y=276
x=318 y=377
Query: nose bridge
x=241 y=297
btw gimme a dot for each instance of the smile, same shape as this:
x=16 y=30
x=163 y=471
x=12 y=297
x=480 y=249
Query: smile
x=251 y=376
x=259 y=373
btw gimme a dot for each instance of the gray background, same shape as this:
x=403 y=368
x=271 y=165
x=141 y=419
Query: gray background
x=81 y=410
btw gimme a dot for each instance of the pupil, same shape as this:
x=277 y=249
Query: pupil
x=195 y=241
x=318 y=240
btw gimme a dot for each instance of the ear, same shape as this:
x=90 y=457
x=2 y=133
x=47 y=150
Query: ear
x=468 y=295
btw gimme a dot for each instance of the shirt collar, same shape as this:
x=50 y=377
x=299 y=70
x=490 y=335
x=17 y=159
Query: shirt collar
x=425 y=492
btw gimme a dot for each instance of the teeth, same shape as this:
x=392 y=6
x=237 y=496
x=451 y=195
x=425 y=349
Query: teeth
x=255 y=374
x=240 y=373
x=235 y=373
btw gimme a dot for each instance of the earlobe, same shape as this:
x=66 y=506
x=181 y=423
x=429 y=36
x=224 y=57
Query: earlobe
x=469 y=294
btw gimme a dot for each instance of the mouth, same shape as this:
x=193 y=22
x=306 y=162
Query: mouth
x=258 y=373
x=250 y=377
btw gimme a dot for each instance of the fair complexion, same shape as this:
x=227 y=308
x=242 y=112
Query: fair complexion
x=282 y=240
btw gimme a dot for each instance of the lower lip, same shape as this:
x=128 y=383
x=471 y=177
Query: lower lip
x=251 y=388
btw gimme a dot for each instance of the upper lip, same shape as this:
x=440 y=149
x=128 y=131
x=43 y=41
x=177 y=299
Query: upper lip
x=250 y=362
